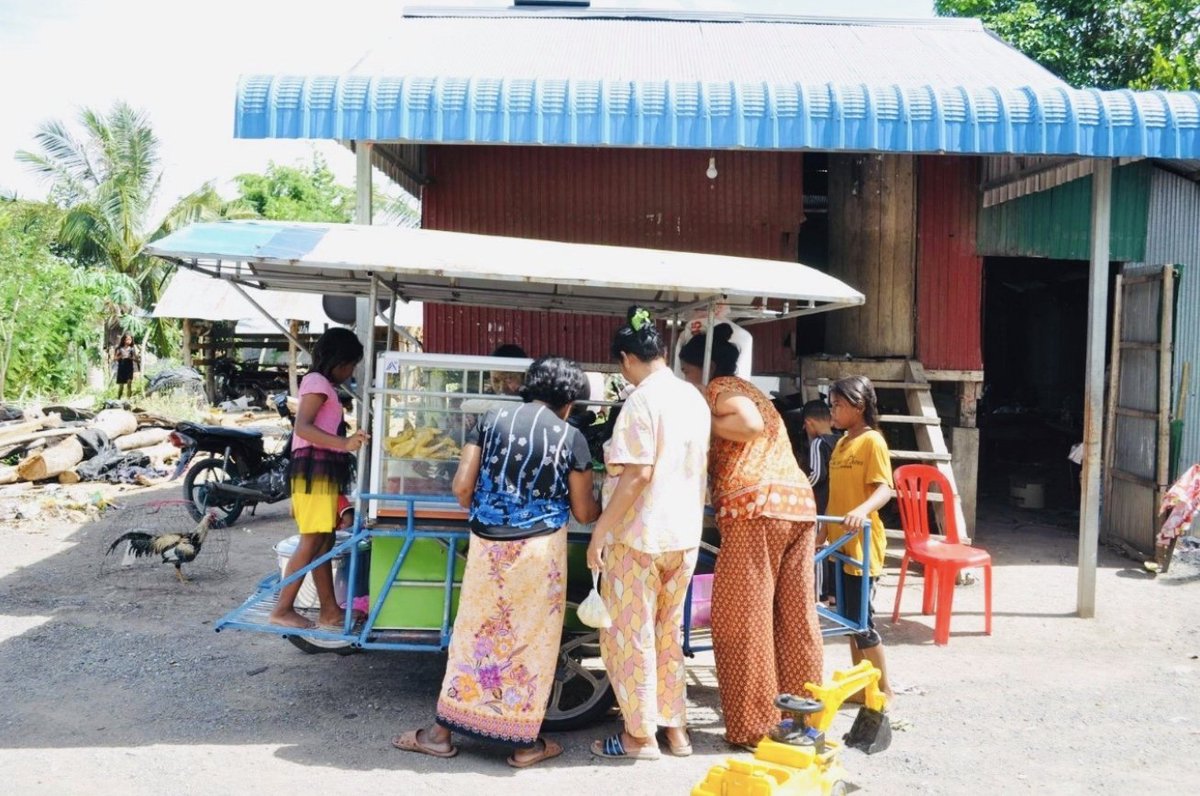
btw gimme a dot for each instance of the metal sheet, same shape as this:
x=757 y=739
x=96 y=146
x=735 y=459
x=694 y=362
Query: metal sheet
x=1056 y=223
x=949 y=272
x=1174 y=237
x=657 y=199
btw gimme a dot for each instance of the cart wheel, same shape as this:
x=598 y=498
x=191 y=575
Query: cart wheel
x=315 y=646
x=200 y=476
x=582 y=693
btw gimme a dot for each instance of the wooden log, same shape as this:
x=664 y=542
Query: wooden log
x=12 y=432
x=116 y=422
x=151 y=419
x=142 y=439
x=8 y=475
x=52 y=461
x=69 y=477
x=13 y=445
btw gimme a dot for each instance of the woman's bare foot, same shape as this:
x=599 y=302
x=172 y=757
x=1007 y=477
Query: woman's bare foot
x=291 y=619
x=332 y=619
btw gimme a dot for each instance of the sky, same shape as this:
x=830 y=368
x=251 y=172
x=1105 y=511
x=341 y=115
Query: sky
x=180 y=63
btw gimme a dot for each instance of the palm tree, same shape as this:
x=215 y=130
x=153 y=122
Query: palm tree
x=107 y=181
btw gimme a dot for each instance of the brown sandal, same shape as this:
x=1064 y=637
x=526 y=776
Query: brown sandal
x=409 y=742
x=550 y=749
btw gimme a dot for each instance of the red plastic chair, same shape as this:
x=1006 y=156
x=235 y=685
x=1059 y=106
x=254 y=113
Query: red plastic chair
x=942 y=558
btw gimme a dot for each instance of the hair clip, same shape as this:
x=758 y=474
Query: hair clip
x=639 y=319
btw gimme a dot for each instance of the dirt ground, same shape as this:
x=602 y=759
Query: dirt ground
x=116 y=689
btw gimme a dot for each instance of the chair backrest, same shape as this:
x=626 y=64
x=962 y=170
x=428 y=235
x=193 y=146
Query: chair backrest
x=913 y=482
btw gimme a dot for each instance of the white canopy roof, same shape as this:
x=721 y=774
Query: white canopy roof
x=485 y=270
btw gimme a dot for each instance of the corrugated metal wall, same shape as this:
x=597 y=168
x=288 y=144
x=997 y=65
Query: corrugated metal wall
x=632 y=197
x=1056 y=223
x=949 y=272
x=1173 y=237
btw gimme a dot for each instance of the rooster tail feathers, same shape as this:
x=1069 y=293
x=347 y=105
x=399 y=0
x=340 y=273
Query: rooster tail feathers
x=140 y=543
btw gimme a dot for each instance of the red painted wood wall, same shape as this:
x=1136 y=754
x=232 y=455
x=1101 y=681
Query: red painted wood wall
x=630 y=197
x=949 y=272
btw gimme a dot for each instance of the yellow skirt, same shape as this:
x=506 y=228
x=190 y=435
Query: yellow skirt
x=315 y=511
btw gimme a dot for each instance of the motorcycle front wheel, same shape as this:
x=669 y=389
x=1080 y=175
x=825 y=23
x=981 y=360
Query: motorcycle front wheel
x=197 y=490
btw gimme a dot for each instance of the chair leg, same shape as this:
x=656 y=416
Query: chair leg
x=945 y=604
x=928 y=596
x=987 y=599
x=900 y=588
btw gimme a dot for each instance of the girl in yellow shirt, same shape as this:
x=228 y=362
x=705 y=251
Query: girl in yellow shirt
x=860 y=483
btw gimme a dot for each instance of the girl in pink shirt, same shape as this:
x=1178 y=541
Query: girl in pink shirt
x=321 y=472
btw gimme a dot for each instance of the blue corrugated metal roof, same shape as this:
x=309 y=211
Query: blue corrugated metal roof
x=925 y=86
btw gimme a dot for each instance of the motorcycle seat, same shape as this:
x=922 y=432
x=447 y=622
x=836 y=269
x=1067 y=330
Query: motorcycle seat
x=194 y=429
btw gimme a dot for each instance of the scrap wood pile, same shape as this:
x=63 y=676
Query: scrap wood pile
x=70 y=445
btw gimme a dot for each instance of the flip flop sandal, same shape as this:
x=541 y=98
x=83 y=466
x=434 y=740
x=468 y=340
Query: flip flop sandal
x=409 y=742
x=550 y=749
x=680 y=750
x=611 y=748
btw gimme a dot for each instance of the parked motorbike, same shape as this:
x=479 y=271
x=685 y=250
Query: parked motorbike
x=236 y=473
x=236 y=380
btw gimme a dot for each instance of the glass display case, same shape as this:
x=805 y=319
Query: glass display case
x=424 y=406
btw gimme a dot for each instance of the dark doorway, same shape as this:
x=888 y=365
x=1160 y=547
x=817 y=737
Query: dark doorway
x=1034 y=355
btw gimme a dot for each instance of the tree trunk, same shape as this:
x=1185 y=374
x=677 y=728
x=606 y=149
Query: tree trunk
x=142 y=439
x=159 y=454
x=8 y=475
x=51 y=461
x=116 y=422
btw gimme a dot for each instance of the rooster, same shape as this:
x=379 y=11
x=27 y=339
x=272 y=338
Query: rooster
x=175 y=548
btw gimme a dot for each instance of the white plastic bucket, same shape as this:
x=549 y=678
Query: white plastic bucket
x=307 y=598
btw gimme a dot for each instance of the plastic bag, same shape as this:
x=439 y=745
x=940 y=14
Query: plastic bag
x=592 y=611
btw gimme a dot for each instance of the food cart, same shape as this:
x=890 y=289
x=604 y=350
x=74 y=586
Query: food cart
x=410 y=535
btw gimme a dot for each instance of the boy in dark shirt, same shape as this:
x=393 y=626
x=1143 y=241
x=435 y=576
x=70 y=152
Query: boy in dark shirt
x=818 y=427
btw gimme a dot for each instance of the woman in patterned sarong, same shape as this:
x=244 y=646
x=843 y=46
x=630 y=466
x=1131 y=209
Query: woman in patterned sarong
x=523 y=468
x=766 y=635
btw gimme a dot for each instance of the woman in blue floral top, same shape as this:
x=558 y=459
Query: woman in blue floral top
x=524 y=470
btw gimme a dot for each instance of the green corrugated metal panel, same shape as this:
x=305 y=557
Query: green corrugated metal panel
x=1055 y=223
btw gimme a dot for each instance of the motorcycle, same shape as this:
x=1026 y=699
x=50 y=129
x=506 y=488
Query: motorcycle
x=236 y=380
x=237 y=472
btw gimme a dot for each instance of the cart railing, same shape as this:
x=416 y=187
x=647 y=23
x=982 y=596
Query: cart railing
x=253 y=614
x=834 y=623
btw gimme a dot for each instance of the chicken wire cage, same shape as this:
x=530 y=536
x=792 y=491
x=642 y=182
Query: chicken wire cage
x=136 y=550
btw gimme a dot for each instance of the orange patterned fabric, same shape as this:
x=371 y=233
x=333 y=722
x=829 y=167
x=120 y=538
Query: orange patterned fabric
x=504 y=649
x=759 y=478
x=643 y=650
x=766 y=635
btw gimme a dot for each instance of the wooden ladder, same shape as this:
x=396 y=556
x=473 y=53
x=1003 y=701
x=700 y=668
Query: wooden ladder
x=907 y=375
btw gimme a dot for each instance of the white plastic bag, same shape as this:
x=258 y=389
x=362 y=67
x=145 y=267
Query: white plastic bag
x=592 y=611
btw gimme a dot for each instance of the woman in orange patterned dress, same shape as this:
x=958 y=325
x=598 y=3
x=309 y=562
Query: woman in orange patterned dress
x=766 y=635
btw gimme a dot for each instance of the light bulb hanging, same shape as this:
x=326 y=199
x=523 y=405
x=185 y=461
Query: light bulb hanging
x=711 y=173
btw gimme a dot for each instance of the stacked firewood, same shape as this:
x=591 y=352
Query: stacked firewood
x=44 y=445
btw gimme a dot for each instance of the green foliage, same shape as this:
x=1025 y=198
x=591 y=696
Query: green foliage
x=297 y=193
x=106 y=181
x=1109 y=44
x=51 y=311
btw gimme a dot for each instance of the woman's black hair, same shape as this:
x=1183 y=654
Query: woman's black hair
x=510 y=351
x=860 y=393
x=555 y=381
x=338 y=346
x=724 y=353
x=123 y=336
x=643 y=342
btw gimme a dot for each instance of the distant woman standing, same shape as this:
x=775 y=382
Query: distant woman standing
x=128 y=362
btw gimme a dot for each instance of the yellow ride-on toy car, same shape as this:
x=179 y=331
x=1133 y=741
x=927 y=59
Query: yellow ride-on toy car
x=796 y=759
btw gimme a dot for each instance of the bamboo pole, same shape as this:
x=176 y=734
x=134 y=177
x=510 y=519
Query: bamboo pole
x=293 y=352
x=187 y=342
x=1114 y=389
